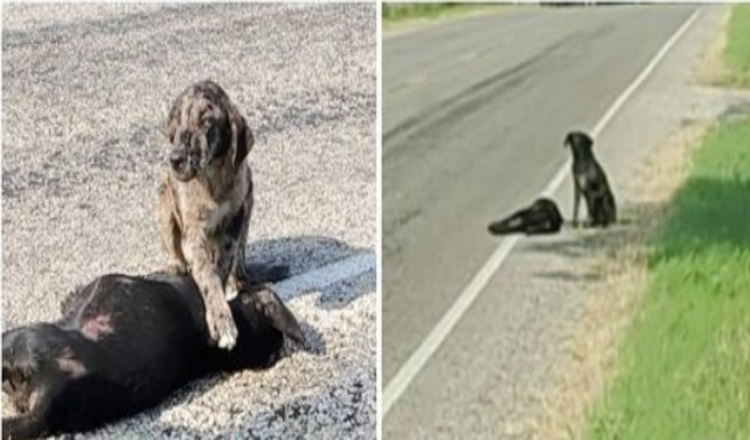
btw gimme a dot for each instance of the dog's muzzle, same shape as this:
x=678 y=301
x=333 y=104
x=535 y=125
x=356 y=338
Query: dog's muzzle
x=178 y=157
x=181 y=163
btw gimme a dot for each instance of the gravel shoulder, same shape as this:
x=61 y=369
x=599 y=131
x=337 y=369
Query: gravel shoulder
x=86 y=89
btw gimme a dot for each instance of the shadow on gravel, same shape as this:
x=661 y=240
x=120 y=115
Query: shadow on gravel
x=319 y=265
x=300 y=265
x=580 y=244
x=332 y=407
x=704 y=214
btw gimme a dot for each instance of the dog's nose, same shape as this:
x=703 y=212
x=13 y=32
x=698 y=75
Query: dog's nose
x=177 y=157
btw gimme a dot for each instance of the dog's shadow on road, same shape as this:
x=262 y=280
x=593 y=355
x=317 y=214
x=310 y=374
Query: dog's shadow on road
x=580 y=244
x=295 y=266
x=299 y=265
x=702 y=215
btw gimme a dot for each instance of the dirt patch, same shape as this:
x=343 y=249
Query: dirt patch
x=621 y=276
x=713 y=70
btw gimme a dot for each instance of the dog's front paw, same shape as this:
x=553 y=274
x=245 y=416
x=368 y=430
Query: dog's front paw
x=221 y=327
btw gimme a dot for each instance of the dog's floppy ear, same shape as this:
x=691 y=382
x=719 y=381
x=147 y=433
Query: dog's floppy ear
x=279 y=315
x=173 y=118
x=578 y=138
x=243 y=136
x=568 y=142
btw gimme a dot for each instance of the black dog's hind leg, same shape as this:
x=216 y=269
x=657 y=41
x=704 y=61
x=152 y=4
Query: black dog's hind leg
x=27 y=426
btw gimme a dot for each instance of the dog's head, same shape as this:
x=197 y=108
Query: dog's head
x=205 y=129
x=580 y=143
x=21 y=366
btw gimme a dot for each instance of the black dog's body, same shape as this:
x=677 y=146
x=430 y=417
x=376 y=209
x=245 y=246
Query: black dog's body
x=123 y=345
x=542 y=217
x=590 y=182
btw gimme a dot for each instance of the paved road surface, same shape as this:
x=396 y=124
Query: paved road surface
x=86 y=89
x=474 y=116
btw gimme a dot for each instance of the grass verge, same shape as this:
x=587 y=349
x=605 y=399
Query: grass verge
x=396 y=13
x=684 y=366
x=737 y=49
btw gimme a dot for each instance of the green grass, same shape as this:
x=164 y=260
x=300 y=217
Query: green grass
x=684 y=370
x=401 y=12
x=737 y=50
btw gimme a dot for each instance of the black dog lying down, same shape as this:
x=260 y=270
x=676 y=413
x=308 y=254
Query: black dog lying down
x=542 y=217
x=123 y=345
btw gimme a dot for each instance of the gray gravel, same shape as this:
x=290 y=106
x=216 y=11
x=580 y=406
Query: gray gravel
x=85 y=92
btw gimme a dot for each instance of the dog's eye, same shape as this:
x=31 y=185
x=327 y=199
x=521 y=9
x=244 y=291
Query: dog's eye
x=207 y=121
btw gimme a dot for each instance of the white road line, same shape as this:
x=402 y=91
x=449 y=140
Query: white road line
x=327 y=275
x=411 y=368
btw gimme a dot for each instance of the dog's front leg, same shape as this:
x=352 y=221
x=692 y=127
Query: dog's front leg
x=236 y=240
x=221 y=326
x=169 y=230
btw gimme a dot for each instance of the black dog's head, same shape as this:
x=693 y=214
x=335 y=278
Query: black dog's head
x=19 y=364
x=30 y=355
x=204 y=127
x=580 y=144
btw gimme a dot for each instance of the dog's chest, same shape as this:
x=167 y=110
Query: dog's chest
x=198 y=209
x=218 y=215
x=586 y=174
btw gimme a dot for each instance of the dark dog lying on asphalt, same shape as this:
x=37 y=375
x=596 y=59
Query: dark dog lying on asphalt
x=123 y=345
x=590 y=182
x=542 y=217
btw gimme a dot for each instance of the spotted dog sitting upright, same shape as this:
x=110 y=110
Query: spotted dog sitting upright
x=206 y=199
x=590 y=182
x=123 y=345
x=542 y=217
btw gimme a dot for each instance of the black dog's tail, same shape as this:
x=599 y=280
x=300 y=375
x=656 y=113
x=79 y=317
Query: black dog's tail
x=27 y=426
x=543 y=217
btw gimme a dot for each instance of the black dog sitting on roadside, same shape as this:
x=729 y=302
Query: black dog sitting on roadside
x=590 y=182
x=542 y=217
x=123 y=345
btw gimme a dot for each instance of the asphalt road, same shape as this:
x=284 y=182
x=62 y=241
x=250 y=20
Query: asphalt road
x=474 y=115
x=86 y=89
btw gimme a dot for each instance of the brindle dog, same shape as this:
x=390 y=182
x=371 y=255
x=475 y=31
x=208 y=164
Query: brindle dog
x=206 y=199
